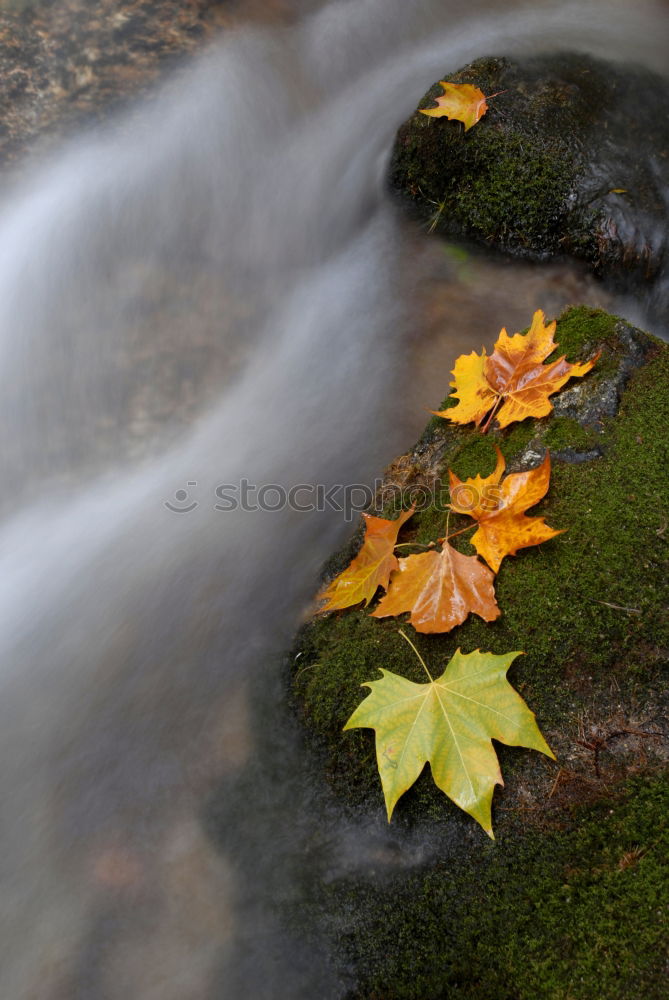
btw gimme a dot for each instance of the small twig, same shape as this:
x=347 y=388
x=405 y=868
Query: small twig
x=436 y=216
x=415 y=545
x=617 y=607
x=299 y=673
x=556 y=782
x=634 y=732
x=606 y=604
x=595 y=746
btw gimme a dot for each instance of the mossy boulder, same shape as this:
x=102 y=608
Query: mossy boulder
x=575 y=913
x=570 y=893
x=570 y=159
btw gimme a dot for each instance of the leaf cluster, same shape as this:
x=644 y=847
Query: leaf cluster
x=440 y=588
x=451 y=721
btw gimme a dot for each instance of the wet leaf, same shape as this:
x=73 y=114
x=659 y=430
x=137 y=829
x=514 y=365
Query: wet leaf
x=460 y=101
x=513 y=383
x=370 y=569
x=440 y=589
x=476 y=397
x=499 y=506
x=449 y=722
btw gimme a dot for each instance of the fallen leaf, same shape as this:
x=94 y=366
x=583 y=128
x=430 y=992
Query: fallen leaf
x=513 y=383
x=370 y=569
x=440 y=589
x=461 y=101
x=449 y=722
x=476 y=397
x=499 y=506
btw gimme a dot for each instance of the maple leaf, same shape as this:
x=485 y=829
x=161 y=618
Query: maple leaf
x=449 y=722
x=461 y=101
x=513 y=382
x=370 y=569
x=440 y=589
x=499 y=507
x=476 y=396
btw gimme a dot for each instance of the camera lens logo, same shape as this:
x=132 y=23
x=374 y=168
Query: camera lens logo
x=180 y=505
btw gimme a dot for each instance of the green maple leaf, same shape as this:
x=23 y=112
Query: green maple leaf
x=449 y=722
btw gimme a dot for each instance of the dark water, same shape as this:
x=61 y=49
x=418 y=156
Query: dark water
x=233 y=298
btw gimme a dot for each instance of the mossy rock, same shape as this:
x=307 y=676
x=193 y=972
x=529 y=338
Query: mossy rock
x=577 y=913
x=588 y=608
x=570 y=159
x=544 y=912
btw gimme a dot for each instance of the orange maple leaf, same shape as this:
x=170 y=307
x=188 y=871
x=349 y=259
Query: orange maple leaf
x=513 y=383
x=370 y=569
x=499 y=507
x=440 y=589
x=461 y=101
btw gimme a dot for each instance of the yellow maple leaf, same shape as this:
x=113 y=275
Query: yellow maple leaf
x=461 y=101
x=370 y=569
x=513 y=382
x=499 y=506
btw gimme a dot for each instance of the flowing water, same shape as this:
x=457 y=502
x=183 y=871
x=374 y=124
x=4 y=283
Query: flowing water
x=216 y=288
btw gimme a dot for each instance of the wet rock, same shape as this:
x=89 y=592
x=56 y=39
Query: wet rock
x=572 y=159
x=588 y=406
x=588 y=609
x=606 y=438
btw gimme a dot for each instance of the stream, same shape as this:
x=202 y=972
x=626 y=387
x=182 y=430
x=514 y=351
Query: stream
x=216 y=288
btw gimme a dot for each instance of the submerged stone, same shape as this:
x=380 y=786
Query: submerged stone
x=72 y=63
x=573 y=158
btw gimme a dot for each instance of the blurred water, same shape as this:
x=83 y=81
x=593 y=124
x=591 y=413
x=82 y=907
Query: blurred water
x=215 y=288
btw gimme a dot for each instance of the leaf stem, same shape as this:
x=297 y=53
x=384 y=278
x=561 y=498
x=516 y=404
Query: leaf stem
x=467 y=528
x=486 y=425
x=405 y=636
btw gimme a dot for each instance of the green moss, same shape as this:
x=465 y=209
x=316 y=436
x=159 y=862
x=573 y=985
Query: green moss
x=581 y=327
x=516 y=438
x=512 y=189
x=564 y=432
x=499 y=188
x=537 y=175
x=431 y=523
x=475 y=456
x=568 y=903
x=338 y=655
x=508 y=181
x=563 y=603
x=553 y=597
x=577 y=914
